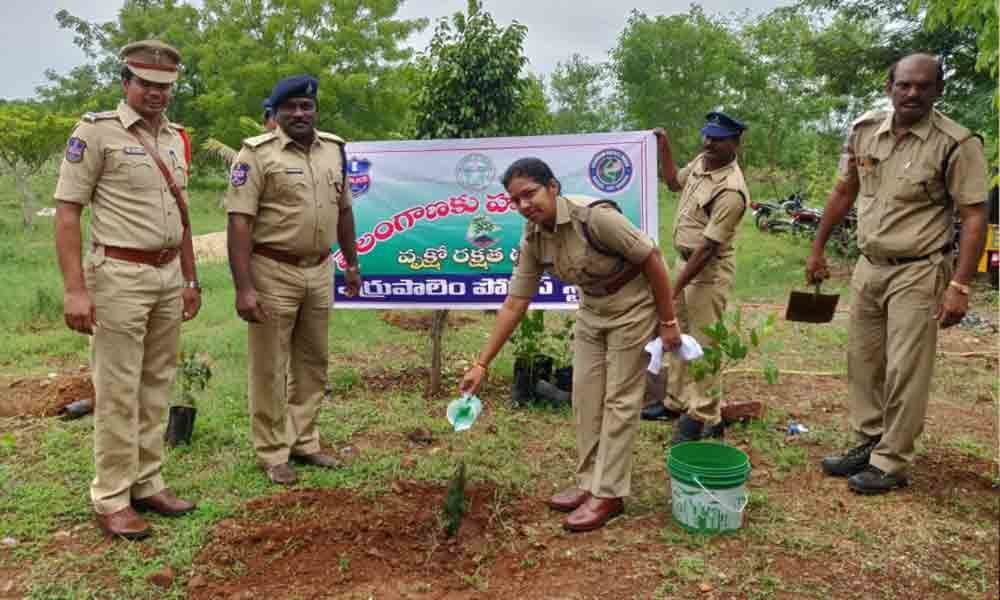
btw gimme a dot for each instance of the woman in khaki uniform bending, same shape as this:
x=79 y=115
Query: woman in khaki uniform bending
x=625 y=299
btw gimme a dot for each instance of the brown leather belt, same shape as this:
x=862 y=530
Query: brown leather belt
x=903 y=260
x=614 y=284
x=155 y=258
x=288 y=258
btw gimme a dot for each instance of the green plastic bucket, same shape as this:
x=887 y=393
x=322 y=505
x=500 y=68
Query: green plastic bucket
x=708 y=486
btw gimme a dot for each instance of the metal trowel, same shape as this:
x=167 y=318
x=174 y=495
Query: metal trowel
x=811 y=307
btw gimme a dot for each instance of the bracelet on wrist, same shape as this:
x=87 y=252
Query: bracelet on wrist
x=192 y=284
x=481 y=365
x=961 y=287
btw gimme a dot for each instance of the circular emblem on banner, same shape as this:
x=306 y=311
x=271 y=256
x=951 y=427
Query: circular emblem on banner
x=610 y=171
x=359 y=175
x=475 y=172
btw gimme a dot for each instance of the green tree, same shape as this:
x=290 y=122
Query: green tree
x=29 y=136
x=469 y=80
x=470 y=85
x=234 y=51
x=582 y=98
x=962 y=32
x=672 y=70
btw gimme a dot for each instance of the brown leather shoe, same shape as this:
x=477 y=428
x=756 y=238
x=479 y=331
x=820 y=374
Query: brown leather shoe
x=164 y=503
x=125 y=523
x=568 y=500
x=317 y=459
x=282 y=474
x=594 y=514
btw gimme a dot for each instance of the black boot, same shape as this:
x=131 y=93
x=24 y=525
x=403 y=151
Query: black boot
x=851 y=463
x=873 y=480
x=687 y=430
x=547 y=392
x=717 y=431
x=658 y=412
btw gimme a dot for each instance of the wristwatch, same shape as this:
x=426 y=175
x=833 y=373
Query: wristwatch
x=193 y=284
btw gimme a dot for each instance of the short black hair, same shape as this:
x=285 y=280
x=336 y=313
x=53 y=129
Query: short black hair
x=127 y=73
x=937 y=59
x=533 y=168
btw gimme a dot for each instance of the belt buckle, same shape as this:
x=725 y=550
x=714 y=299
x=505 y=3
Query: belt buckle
x=163 y=256
x=305 y=261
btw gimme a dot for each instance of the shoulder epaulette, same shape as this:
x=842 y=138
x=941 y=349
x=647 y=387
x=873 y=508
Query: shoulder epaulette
x=93 y=117
x=259 y=140
x=872 y=116
x=950 y=128
x=329 y=136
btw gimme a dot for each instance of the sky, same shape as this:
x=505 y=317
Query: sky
x=31 y=41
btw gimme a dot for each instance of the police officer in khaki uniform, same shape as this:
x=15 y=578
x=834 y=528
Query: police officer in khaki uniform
x=907 y=170
x=288 y=201
x=625 y=290
x=714 y=197
x=136 y=285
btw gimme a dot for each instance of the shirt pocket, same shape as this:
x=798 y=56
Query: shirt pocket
x=291 y=188
x=868 y=170
x=130 y=166
x=921 y=183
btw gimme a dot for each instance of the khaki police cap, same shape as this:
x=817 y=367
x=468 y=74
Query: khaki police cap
x=152 y=60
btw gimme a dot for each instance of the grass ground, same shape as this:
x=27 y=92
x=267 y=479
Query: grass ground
x=805 y=535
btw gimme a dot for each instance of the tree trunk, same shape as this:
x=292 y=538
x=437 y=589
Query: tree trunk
x=438 y=324
x=27 y=198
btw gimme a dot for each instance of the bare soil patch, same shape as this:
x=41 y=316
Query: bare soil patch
x=43 y=396
x=210 y=247
x=421 y=320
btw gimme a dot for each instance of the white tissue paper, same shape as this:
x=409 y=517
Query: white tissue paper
x=689 y=350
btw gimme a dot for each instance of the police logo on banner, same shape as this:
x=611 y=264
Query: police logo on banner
x=239 y=175
x=475 y=172
x=75 y=149
x=610 y=171
x=359 y=174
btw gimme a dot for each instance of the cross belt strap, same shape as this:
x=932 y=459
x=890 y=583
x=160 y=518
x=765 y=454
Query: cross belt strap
x=615 y=283
x=175 y=189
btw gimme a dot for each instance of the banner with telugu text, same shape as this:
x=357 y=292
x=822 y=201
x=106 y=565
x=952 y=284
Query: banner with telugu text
x=433 y=222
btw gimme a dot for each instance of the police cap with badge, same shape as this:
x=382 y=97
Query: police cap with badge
x=721 y=125
x=298 y=86
x=152 y=60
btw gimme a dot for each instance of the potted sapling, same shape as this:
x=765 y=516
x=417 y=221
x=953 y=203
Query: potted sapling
x=193 y=373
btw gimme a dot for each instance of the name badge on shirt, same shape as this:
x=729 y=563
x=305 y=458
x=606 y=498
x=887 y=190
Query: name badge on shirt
x=294 y=172
x=135 y=150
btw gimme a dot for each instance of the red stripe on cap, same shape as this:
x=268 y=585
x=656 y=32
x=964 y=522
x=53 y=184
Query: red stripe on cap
x=152 y=66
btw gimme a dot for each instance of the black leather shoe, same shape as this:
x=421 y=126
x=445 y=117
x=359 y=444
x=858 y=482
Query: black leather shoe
x=851 y=463
x=873 y=480
x=687 y=430
x=717 y=431
x=658 y=412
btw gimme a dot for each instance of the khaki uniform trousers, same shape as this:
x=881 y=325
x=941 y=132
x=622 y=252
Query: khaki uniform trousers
x=133 y=358
x=288 y=358
x=701 y=304
x=609 y=365
x=890 y=353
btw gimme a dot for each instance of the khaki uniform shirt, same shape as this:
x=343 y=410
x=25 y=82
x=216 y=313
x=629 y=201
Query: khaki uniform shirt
x=295 y=195
x=566 y=253
x=106 y=168
x=907 y=194
x=711 y=206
